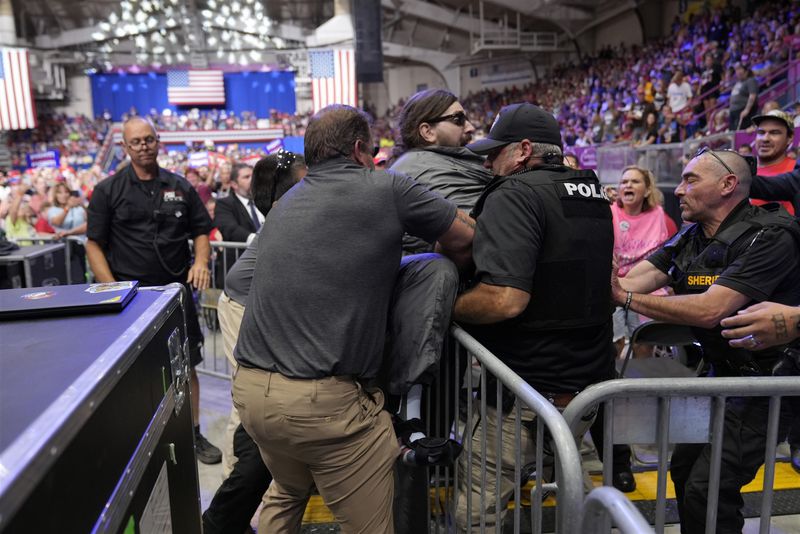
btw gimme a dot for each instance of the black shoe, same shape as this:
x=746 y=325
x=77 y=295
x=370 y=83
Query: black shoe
x=795 y=457
x=425 y=451
x=205 y=451
x=624 y=481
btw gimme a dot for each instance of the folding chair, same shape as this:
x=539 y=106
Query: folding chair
x=658 y=333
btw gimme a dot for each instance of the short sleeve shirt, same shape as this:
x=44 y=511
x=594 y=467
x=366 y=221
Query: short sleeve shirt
x=144 y=227
x=327 y=260
x=766 y=270
x=509 y=237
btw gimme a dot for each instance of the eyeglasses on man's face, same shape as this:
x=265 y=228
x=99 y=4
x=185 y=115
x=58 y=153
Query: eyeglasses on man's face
x=459 y=119
x=147 y=141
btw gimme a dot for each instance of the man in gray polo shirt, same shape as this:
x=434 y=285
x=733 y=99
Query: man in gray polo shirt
x=313 y=331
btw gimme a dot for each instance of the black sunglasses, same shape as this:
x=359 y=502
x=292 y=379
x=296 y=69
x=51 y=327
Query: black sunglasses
x=752 y=164
x=459 y=119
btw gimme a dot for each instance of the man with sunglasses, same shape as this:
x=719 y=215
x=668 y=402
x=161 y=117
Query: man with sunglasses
x=434 y=130
x=311 y=341
x=733 y=255
x=139 y=224
x=540 y=302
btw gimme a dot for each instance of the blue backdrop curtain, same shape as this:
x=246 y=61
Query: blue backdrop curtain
x=258 y=92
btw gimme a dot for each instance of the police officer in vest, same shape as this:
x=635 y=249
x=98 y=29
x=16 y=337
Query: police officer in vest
x=540 y=302
x=733 y=256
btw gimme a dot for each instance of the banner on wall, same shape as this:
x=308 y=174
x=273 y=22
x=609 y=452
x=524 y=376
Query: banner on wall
x=195 y=87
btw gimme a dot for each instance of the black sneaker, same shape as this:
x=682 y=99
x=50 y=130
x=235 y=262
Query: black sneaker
x=205 y=451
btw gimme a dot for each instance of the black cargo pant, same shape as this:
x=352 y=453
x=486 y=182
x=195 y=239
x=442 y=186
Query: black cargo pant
x=237 y=499
x=744 y=441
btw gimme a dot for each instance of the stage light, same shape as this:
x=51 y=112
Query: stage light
x=172 y=25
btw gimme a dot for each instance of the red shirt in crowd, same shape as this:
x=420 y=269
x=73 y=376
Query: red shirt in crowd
x=787 y=165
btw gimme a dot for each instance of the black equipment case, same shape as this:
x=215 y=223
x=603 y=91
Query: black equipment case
x=95 y=421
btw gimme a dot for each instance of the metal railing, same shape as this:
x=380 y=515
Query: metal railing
x=665 y=160
x=606 y=502
x=223 y=255
x=689 y=410
x=466 y=353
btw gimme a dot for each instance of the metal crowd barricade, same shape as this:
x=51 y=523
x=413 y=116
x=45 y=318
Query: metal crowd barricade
x=688 y=410
x=465 y=350
x=223 y=255
x=605 y=502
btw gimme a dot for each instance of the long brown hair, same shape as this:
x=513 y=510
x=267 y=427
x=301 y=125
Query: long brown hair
x=421 y=107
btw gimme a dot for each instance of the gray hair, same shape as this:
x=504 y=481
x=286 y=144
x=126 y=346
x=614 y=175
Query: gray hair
x=545 y=149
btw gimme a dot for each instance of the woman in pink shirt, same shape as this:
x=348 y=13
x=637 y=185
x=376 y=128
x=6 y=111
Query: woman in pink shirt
x=640 y=227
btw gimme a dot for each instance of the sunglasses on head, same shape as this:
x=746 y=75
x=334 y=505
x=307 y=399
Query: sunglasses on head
x=752 y=164
x=459 y=118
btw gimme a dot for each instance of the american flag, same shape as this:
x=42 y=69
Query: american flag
x=333 y=78
x=17 y=111
x=195 y=87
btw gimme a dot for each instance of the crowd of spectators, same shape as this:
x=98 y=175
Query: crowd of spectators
x=608 y=97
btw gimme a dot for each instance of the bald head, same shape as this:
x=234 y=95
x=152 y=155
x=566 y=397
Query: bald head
x=738 y=164
x=137 y=123
x=140 y=141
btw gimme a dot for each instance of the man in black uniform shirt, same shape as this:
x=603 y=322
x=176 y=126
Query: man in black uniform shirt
x=542 y=251
x=735 y=254
x=139 y=224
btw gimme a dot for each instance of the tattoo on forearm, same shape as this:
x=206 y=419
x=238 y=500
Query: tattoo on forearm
x=796 y=320
x=466 y=220
x=779 y=321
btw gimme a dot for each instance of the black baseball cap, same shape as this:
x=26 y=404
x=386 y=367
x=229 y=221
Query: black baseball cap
x=516 y=122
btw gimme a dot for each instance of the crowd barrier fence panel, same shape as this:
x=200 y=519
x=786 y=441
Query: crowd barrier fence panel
x=464 y=352
x=607 y=502
x=665 y=160
x=688 y=410
x=223 y=255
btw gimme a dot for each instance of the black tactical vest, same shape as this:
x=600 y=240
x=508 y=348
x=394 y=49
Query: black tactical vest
x=571 y=285
x=696 y=266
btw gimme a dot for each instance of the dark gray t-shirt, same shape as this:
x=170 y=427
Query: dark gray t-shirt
x=328 y=257
x=741 y=92
x=240 y=276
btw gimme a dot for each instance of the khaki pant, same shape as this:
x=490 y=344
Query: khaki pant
x=229 y=313
x=507 y=465
x=329 y=432
x=474 y=487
